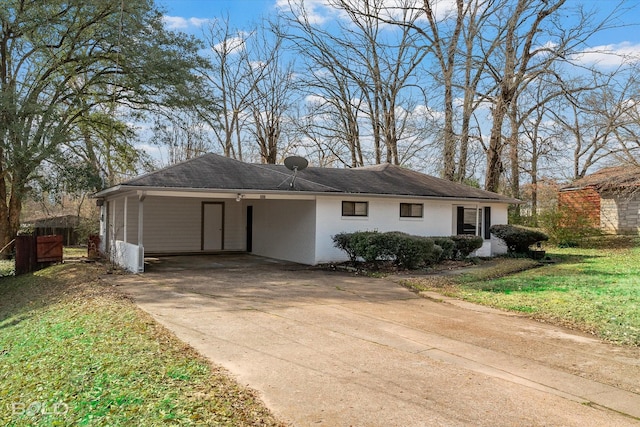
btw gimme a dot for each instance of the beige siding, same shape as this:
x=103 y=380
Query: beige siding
x=174 y=224
x=235 y=225
x=132 y=220
x=285 y=229
x=116 y=224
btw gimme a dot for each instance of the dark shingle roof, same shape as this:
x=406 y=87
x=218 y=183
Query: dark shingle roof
x=212 y=171
x=609 y=179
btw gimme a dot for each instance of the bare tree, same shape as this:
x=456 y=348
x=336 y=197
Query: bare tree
x=333 y=100
x=627 y=112
x=599 y=123
x=366 y=66
x=183 y=135
x=532 y=37
x=231 y=84
x=271 y=76
x=539 y=139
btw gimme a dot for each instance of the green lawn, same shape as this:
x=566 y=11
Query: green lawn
x=75 y=352
x=594 y=290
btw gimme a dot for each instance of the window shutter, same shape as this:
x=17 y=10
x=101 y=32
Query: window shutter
x=487 y=222
x=460 y=221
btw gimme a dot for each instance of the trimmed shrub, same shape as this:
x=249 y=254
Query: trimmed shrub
x=447 y=245
x=465 y=244
x=368 y=245
x=518 y=238
x=344 y=241
x=413 y=251
x=403 y=249
x=435 y=256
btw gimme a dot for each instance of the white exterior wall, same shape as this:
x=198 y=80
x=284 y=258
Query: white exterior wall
x=235 y=225
x=499 y=215
x=104 y=218
x=293 y=230
x=439 y=219
x=172 y=224
x=284 y=229
x=384 y=215
x=116 y=223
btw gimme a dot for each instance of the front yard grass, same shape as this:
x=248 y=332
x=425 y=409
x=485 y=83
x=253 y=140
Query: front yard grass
x=593 y=290
x=75 y=352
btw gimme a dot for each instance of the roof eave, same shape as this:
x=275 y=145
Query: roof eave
x=122 y=188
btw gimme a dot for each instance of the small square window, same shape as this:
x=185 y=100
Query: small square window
x=411 y=210
x=355 y=208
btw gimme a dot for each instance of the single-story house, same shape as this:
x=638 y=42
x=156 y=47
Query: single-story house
x=608 y=199
x=213 y=203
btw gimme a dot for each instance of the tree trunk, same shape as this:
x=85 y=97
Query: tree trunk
x=514 y=158
x=494 y=152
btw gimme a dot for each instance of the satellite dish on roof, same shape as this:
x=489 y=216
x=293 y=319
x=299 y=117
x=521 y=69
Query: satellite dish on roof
x=296 y=163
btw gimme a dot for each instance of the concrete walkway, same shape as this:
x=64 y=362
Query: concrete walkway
x=331 y=349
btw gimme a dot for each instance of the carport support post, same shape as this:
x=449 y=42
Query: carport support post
x=113 y=231
x=141 y=197
x=124 y=220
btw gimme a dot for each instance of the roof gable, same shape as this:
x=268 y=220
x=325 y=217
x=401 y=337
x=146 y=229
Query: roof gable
x=214 y=172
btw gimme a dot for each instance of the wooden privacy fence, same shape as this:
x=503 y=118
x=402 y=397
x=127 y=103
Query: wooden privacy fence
x=36 y=252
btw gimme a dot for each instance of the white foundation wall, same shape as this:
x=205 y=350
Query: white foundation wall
x=384 y=215
x=284 y=229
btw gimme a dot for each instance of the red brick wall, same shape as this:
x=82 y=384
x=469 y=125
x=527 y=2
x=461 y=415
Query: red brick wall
x=584 y=202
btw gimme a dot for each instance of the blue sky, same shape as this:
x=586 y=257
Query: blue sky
x=191 y=15
x=241 y=12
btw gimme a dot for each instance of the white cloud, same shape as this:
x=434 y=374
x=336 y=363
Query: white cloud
x=230 y=45
x=610 y=55
x=175 y=22
x=321 y=12
x=181 y=23
x=314 y=99
x=317 y=11
x=199 y=22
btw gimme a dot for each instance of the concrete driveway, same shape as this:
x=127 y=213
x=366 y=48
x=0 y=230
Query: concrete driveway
x=327 y=348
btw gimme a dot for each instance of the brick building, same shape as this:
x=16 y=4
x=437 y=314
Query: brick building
x=608 y=199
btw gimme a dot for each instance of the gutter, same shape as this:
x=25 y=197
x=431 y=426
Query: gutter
x=132 y=188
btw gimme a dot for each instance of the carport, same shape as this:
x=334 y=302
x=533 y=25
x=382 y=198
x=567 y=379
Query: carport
x=144 y=223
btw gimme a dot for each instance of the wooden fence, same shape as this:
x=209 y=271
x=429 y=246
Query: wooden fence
x=36 y=252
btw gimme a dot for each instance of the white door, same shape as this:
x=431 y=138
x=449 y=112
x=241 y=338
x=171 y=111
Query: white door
x=212 y=226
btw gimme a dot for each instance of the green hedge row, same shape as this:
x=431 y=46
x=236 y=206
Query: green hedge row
x=403 y=249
